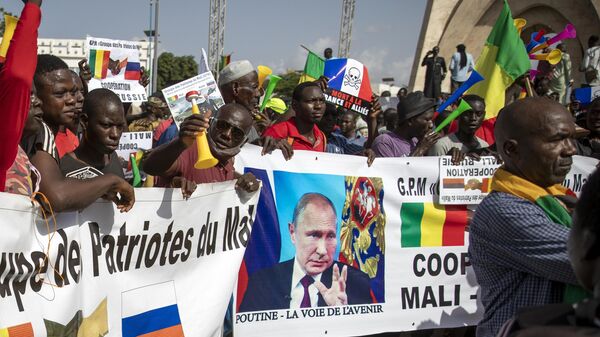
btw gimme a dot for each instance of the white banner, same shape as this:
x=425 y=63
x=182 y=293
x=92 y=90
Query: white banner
x=467 y=183
x=168 y=266
x=115 y=65
x=389 y=229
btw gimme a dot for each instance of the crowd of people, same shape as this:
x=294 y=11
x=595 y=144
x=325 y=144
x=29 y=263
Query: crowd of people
x=59 y=143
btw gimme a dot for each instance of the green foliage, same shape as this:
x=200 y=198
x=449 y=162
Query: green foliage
x=286 y=86
x=173 y=69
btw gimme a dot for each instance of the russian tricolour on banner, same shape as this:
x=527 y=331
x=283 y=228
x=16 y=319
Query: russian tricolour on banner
x=115 y=65
x=349 y=86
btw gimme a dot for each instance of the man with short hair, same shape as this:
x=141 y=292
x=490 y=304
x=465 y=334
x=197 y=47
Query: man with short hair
x=226 y=133
x=328 y=53
x=347 y=138
x=434 y=74
x=103 y=122
x=413 y=134
x=312 y=278
x=301 y=131
x=518 y=237
x=468 y=124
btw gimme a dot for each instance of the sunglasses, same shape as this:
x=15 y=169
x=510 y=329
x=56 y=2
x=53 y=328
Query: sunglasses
x=237 y=135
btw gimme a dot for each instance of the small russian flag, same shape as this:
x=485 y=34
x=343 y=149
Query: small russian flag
x=151 y=311
x=132 y=71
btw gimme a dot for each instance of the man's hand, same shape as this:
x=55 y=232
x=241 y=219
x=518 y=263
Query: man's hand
x=336 y=295
x=187 y=186
x=144 y=77
x=322 y=82
x=457 y=155
x=127 y=195
x=85 y=73
x=247 y=182
x=426 y=143
x=370 y=154
x=270 y=144
x=192 y=126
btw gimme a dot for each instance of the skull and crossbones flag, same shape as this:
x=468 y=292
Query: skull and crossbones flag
x=349 y=85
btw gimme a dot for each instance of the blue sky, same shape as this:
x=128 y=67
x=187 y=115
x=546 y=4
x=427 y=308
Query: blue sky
x=384 y=32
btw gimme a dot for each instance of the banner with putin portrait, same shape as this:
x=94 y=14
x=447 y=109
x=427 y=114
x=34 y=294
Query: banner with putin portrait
x=342 y=249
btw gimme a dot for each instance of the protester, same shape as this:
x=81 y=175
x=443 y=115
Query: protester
x=328 y=124
x=589 y=145
x=435 y=73
x=413 y=134
x=312 y=278
x=582 y=318
x=328 y=53
x=274 y=108
x=402 y=92
x=227 y=132
x=103 y=121
x=301 y=131
x=238 y=82
x=591 y=62
x=20 y=106
x=461 y=64
x=560 y=77
x=154 y=112
x=468 y=124
x=518 y=236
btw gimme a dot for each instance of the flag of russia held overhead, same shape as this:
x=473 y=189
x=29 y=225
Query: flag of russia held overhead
x=132 y=71
x=151 y=311
x=349 y=76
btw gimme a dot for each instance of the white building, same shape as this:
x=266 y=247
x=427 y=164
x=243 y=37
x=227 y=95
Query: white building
x=73 y=50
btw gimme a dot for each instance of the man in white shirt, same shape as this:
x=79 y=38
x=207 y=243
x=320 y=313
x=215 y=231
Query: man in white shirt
x=312 y=278
x=591 y=62
x=461 y=64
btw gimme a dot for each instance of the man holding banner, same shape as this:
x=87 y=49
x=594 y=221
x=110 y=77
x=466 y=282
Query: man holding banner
x=312 y=278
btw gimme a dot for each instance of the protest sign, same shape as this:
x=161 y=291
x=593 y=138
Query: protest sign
x=389 y=229
x=467 y=183
x=166 y=267
x=209 y=99
x=131 y=143
x=115 y=65
x=349 y=86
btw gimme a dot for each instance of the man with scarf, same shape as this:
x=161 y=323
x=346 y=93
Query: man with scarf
x=518 y=237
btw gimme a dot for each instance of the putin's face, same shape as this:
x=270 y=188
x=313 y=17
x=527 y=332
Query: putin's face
x=315 y=237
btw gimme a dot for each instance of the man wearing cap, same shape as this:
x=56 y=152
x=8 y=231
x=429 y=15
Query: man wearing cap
x=238 y=82
x=155 y=112
x=413 y=135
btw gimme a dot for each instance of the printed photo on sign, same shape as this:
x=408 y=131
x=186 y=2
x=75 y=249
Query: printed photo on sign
x=318 y=240
x=208 y=97
x=115 y=65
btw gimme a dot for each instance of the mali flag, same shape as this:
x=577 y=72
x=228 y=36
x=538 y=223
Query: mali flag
x=313 y=68
x=99 y=63
x=503 y=59
x=225 y=60
x=432 y=225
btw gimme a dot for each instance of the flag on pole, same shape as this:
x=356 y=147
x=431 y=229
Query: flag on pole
x=503 y=59
x=225 y=60
x=313 y=68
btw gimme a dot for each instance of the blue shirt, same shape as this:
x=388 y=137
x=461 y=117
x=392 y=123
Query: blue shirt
x=347 y=145
x=519 y=256
x=460 y=74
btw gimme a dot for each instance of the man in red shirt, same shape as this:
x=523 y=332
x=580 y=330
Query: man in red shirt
x=301 y=131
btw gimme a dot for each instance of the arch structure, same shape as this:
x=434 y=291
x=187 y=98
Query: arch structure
x=447 y=23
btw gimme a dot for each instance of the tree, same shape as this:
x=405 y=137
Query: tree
x=173 y=69
x=285 y=87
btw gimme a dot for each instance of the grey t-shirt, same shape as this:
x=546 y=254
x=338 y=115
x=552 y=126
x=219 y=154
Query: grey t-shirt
x=447 y=142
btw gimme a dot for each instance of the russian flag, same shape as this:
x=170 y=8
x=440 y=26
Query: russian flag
x=132 y=71
x=586 y=95
x=151 y=311
x=349 y=76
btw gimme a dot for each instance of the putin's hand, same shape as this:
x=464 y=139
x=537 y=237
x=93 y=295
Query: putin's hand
x=336 y=295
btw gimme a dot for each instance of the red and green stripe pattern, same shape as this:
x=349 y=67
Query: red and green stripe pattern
x=432 y=225
x=99 y=62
